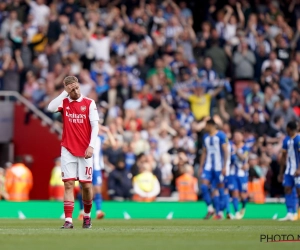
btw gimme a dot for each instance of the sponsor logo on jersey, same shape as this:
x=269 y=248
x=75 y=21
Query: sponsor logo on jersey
x=83 y=108
x=67 y=107
x=76 y=116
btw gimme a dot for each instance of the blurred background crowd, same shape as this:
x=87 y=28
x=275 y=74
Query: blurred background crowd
x=157 y=76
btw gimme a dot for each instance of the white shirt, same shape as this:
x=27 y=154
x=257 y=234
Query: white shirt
x=267 y=63
x=101 y=48
x=40 y=13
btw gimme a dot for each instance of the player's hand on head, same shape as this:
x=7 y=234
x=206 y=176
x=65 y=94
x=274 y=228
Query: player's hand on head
x=88 y=152
x=70 y=87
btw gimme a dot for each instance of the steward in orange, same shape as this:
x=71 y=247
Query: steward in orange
x=187 y=185
x=19 y=181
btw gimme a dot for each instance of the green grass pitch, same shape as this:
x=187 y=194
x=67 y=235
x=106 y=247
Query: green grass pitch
x=145 y=234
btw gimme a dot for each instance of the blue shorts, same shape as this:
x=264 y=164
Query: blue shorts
x=214 y=177
x=97 y=178
x=228 y=182
x=239 y=183
x=291 y=181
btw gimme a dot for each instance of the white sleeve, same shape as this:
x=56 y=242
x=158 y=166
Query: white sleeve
x=93 y=114
x=156 y=189
x=57 y=103
x=94 y=134
x=97 y=154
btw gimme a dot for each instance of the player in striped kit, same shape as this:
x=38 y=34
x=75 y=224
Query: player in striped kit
x=97 y=171
x=225 y=200
x=213 y=167
x=290 y=160
x=239 y=174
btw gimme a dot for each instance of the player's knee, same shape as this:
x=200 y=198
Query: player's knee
x=86 y=187
x=97 y=189
x=235 y=193
x=69 y=185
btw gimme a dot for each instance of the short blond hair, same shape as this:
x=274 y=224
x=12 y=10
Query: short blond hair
x=69 y=80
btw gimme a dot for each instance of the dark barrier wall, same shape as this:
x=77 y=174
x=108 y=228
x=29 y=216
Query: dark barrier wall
x=31 y=137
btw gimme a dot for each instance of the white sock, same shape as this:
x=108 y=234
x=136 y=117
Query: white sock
x=69 y=220
x=210 y=208
x=86 y=214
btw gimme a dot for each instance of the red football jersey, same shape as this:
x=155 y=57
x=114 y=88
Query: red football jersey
x=77 y=116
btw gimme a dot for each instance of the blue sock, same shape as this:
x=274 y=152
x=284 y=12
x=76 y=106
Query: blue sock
x=295 y=199
x=227 y=203
x=216 y=202
x=289 y=202
x=244 y=202
x=205 y=194
x=98 y=201
x=222 y=199
x=80 y=200
x=235 y=202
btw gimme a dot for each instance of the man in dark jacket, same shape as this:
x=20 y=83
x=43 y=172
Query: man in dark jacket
x=119 y=182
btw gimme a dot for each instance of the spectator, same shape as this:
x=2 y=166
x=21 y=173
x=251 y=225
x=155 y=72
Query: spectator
x=200 y=101
x=187 y=185
x=119 y=182
x=145 y=185
x=286 y=111
x=19 y=181
x=244 y=60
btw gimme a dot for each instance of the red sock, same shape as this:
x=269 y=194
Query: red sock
x=87 y=205
x=68 y=208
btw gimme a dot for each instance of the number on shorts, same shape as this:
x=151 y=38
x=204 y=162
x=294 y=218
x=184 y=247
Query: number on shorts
x=88 y=170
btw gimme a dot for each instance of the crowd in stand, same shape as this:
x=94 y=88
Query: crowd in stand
x=156 y=80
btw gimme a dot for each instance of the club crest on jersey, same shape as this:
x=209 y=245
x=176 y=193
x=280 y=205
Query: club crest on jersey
x=83 y=108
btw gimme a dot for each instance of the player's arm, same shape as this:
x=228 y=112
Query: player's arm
x=283 y=159
x=245 y=160
x=225 y=155
x=94 y=120
x=297 y=173
x=111 y=138
x=56 y=104
x=282 y=164
x=242 y=156
x=202 y=160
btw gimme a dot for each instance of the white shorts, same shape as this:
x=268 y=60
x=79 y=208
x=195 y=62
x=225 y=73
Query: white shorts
x=76 y=168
